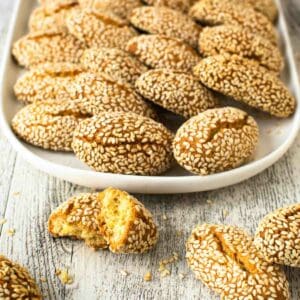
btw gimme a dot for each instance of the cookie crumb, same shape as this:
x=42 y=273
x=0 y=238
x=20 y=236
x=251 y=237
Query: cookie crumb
x=11 y=232
x=43 y=279
x=64 y=276
x=164 y=271
x=3 y=221
x=148 y=276
x=181 y=276
x=124 y=273
x=165 y=218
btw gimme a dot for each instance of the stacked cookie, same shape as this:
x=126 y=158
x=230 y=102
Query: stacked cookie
x=101 y=72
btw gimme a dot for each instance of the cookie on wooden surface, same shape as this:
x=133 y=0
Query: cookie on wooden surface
x=225 y=259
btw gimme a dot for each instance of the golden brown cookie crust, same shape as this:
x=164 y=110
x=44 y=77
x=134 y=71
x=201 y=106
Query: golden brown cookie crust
x=124 y=143
x=225 y=259
x=216 y=140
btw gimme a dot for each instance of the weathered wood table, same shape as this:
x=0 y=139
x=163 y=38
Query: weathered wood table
x=27 y=197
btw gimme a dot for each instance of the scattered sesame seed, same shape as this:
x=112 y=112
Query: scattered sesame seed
x=225 y=213
x=148 y=276
x=124 y=273
x=43 y=279
x=165 y=218
x=11 y=232
x=181 y=276
x=210 y=202
x=16 y=194
x=64 y=276
x=3 y=221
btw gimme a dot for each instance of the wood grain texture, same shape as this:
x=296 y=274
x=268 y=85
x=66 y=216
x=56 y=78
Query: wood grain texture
x=97 y=274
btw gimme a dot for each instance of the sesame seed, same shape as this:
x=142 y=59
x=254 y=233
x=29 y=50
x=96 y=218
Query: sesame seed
x=64 y=276
x=11 y=232
x=148 y=276
x=3 y=221
x=124 y=273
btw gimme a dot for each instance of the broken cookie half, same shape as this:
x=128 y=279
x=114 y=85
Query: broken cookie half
x=110 y=219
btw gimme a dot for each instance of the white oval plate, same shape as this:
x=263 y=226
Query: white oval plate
x=276 y=135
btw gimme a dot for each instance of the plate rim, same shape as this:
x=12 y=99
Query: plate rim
x=55 y=169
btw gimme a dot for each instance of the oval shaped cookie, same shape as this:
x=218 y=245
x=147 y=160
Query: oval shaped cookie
x=47 y=46
x=224 y=12
x=176 y=91
x=215 y=141
x=99 y=29
x=16 y=282
x=266 y=7
x=55 y=5
x=166 y=21
x=278 y=236
x=244 y=80
x=157 y=51
x=116 y=220
x=237 y=40
x=181 y=5
x=121 y=8
x=48 y=124
x=93 y=92
x=41 y=19
x=118 y=64
x=124 y=143
x=225 y=259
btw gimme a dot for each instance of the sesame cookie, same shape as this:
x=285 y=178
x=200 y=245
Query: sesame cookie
x=47 y=46
x=266 y=7
x=224 y=12
x=42 y=19
x=94 y=93
x=240 y=41
x=16 y=282
x=176 y=91
x=48 y=124
x=166 y=21
x=278 y=236
x=158 y=51
x=225 y=259
x=244 y=80
x=111 y=218
x=124 y=143
x=54 y=5
x=121 y=8
x=99 y=29
x=215 y=141
x=181 y=5
x=116 y=63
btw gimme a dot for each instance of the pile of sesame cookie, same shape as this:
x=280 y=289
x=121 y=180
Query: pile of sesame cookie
x=101 y=75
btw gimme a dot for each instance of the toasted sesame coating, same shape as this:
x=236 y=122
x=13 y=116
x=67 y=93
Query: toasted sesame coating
x=121 y=8
x=42 y=19
x=158 y=51
x=240 y=41
x=181 y=5
x=94 y=93
x=266 y=7
x=176 y=91
x=99 y=29
x=225 y=259
x=48 y=124
x=111 y=218
x=47 y=46
x=216 y=140
x=116 y=63
x=166 y=21
x=79 y=218
x=16 y=282
x=224 y=12
x=246 y=81
x=278 y=236
x=124 y=143
x=55 y=5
